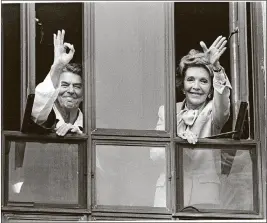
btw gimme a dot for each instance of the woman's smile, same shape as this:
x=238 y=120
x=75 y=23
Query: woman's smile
x=196 y=93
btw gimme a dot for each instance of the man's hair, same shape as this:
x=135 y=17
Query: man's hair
x=75 y=68
x=194 y=58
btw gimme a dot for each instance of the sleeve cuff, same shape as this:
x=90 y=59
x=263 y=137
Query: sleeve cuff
x=221 y=81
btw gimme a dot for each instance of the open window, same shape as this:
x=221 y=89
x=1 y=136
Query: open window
x=40 y=169
x=235 y=165
x=130 y=165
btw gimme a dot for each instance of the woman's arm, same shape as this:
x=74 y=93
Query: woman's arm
x=221 y=98
x=221 y=84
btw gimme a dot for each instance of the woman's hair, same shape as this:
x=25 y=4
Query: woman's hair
x=75 y=68
x=194 y=58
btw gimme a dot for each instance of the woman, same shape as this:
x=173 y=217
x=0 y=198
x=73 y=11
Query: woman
x=203 y=113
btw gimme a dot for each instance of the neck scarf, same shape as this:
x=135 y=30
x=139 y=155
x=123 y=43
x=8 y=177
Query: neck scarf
x=189 y=116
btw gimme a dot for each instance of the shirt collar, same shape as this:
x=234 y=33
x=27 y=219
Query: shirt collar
x=78 y=121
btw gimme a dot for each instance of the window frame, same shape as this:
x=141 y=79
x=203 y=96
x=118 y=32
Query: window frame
x=207 y=144
x=27 y=33
x=259 y=72
x=129 y=141
x=148 y=136
x=14 y=136
x=143 y=137
x=37 y=217
x=259 y=109
x=89 y=52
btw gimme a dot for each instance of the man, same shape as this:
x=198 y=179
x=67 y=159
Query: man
x=61 y=92
x=57 y=98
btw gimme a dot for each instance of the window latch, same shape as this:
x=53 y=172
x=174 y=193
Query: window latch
x=236 y=30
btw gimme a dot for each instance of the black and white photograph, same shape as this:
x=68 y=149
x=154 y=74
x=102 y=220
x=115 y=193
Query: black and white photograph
x=133 y=111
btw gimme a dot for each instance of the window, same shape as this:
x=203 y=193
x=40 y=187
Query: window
x=139 y=45
x=126 y=166
x=234 y=165
x=52 y=171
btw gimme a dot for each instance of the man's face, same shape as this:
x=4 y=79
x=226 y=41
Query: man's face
x=71 y=92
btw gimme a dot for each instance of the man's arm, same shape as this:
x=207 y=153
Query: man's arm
x=46 y=92
x=45 y=96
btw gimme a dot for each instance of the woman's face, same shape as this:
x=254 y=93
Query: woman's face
x=197 y=86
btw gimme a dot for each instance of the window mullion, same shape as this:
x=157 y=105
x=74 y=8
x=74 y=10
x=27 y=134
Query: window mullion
x=170 y=68
x=170 y=99
x=27 y=53
x=89 y=88
x=234 y=65
x=258 y=72
x=243 y=58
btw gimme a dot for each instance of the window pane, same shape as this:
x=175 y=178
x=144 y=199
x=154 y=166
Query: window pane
x=49 y=173
x=130 y=175
x=218 y=179
x=129 y=51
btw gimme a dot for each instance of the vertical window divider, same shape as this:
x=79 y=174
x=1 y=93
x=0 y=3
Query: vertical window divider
x=242 y=42
x=179 y=201
x=234 y=65
x=259 y=77
x=170 y=107
x=89 y=88
x=27 y=32
x=243 y=55
x=4 y=171
x=170 y=68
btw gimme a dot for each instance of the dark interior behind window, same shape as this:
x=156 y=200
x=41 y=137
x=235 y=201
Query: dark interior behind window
x=10 y=38
x=53 y=17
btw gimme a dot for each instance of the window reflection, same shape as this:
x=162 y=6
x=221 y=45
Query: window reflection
x=49 y=174
x=207 y=186
x=129 y=64
x=237 y=187
x=125 y=175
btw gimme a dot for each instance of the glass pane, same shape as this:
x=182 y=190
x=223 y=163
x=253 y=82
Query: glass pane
x=130 y=175
x=49 y=173
x=218 y=179
x=129 y=51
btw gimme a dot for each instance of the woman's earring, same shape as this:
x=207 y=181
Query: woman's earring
x=209 y=95
x=183 y=91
